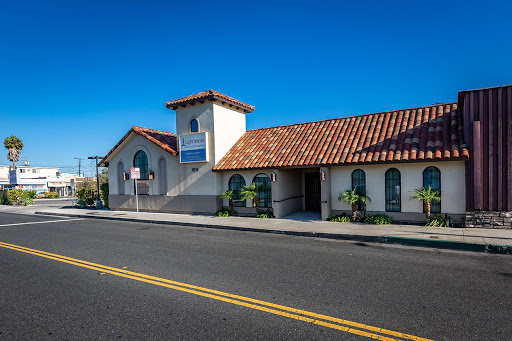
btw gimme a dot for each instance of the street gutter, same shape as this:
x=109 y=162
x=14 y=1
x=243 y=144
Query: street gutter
x=429 y=243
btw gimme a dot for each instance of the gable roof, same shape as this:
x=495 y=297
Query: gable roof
x=163 y=139
x=209 y=95
x=426 y=133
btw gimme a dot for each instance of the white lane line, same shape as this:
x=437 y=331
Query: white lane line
x=42 y=222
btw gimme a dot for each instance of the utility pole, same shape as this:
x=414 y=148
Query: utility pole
x=98 y=201
x=79 y=164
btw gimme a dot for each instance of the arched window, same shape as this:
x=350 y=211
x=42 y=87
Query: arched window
x=194 y=126
x=432 y=178
x=120 y=178
x=236 y=182
x=359 y=184
x=141 y=161
x=393 y=190
x=262 y=182
x=162 y=176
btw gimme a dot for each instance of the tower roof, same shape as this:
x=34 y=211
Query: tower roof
x=209 y=95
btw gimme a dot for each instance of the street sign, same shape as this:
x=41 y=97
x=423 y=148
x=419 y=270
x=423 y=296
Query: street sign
x=194 y=148
x=135 y=172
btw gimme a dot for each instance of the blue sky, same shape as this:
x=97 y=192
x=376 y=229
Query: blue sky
x=76 y=75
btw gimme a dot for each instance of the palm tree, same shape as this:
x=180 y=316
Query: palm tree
x=14 y=146
x=427 y=195
x=352 y=197
x=251 y=191
x=229 y=195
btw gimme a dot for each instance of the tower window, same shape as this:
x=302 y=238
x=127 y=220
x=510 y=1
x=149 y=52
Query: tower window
x=194 y=126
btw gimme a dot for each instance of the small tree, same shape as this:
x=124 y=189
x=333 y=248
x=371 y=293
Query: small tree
x=229 y=194
x=14 y=146
x=427 y=196
x=352 y=197
x=251 y=191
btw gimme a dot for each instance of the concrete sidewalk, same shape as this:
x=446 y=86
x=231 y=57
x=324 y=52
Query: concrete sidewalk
x=308 y=225
x=480 y=240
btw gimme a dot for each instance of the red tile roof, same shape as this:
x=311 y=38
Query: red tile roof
x=209 y=95
x=426 y=133
x=163 y=139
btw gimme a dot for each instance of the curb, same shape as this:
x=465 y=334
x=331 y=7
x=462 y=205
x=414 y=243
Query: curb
x=439 y=244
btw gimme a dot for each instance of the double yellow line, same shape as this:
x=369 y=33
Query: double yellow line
x=302 y=315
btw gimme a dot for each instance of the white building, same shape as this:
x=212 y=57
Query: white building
x=40 y=179
x=29 y=178
x=304 y=166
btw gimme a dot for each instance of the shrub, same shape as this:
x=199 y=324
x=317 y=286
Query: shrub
x=223 y=213
x=265 y=214
x=104 y=193
x=80 y=204
x=86 y=195
x=439 y=221
x=28 y=201
x=342 y=218
x=378 y=219
x=32 y=194
x=4 y=200
x=51 y=195
x=16 y=196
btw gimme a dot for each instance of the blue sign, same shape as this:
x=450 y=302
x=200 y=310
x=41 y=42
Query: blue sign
x=194 y=148
x=13 y=177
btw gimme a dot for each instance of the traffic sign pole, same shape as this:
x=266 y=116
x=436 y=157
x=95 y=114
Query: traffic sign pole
x=135 y=173
x=136 y=198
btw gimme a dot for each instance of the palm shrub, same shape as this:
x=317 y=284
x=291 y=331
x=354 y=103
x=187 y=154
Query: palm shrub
x=352 y=197
x=251 y=191
x=427 y=196
x=229 y=194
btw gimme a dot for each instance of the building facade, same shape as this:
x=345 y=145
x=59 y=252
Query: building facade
x=39 y=179
x=305 y=167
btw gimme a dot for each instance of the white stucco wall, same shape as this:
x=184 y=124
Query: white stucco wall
x=452 y=185
x=127 y=152
x=229 y=126
x=248 y=177
x=224 y=126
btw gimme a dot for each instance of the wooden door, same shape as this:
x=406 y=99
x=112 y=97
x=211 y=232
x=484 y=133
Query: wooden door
x=312 y=191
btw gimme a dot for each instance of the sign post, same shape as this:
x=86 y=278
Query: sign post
x=135 y=172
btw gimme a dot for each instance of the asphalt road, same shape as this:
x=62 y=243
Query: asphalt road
x=440 y=295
